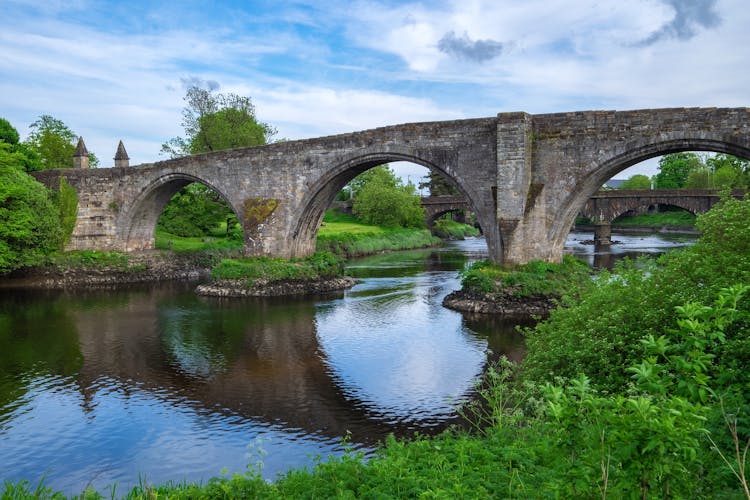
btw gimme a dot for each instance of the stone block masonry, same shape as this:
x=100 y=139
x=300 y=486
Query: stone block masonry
x=525 y=176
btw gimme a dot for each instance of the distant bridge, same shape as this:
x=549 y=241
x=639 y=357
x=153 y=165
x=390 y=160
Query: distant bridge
x=605 y=206
x=437 y=206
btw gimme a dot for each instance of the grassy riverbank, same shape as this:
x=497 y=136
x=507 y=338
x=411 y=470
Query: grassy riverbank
x=677 y=219
x=345 y=235
x=448 y=229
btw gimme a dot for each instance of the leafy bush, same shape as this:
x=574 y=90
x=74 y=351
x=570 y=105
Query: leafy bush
x=599 y=334
x=382 y=200
x=29 y=221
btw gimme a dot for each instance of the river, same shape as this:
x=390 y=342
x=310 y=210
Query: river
x=153 y=383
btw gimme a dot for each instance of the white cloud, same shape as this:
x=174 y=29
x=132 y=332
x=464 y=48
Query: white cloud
x=557 y=55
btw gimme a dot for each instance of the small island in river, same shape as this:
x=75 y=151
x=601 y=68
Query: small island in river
x=533 y=289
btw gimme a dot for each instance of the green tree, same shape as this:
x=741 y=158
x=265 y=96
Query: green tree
x=438 y=185
x=637 y=181
x=8 y=133
x=722 y=160
x=196 y=210
x=675 y=168
x=699 y=179
x=54 y=143
x=27 y=157
x=729 y=176
x=380 y=198
x=214 y=122
x=29 y=221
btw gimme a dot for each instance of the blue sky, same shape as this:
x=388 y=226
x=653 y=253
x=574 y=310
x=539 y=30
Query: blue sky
x=118 y=70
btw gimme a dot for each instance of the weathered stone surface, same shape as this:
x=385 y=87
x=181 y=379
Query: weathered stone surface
x=526 y=177
x=264 y=288
x=606 y=206
x=142 y=267
x=499 y=304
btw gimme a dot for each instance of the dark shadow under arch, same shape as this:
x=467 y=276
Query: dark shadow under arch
x=640 y=206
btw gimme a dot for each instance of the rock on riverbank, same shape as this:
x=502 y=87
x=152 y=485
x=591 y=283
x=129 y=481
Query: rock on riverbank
x=139 y=267
x=505 y=304
x=266 y=288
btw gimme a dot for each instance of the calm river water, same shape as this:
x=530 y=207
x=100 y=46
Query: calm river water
x=156 y=384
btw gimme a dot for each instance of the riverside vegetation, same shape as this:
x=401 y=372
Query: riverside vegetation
x=636 y=387
x=532 y=289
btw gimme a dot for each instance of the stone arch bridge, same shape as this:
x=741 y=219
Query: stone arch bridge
x=606 y=205
x=526 y=177
x=437 y=206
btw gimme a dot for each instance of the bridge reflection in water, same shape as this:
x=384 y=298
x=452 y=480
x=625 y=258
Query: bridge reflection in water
x=99 y=387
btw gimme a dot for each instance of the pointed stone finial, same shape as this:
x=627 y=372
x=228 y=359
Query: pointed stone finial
x=81 y=156
x=121 y=156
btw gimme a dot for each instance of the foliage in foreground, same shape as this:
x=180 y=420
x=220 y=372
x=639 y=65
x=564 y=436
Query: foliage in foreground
x=599 y=334
x=533 y=279
x=650 y=401
x=567 y=441
x=319 y=265
x=29 y=220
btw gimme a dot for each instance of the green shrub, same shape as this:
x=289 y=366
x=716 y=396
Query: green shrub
x=599 y=334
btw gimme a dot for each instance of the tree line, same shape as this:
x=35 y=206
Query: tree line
x=689 y=170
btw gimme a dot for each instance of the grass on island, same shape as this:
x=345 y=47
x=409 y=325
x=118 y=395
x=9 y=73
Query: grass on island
x=345 y=235
x=536 y=278
x=250 y=269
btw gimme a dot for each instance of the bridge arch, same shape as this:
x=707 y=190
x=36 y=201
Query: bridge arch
x=323 y=191
x=626 y=155
x=431 y=218
x=636 y=206
x=138 y=223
